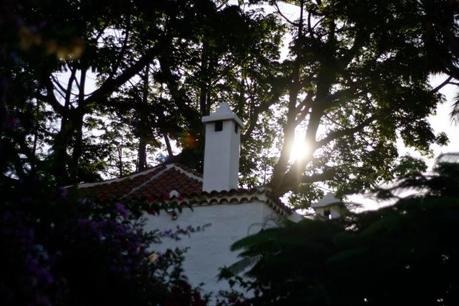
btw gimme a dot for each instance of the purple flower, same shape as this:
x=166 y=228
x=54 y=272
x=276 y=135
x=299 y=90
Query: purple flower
x=122 y=210
x=63 y=192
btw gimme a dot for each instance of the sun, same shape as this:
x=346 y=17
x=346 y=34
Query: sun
x=299 y=150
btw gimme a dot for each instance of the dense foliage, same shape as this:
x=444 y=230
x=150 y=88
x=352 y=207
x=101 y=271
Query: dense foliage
x=90 y=88
x=405 y=254
x=58 y=250
x=93 y=88
x=104 y=88
x=358 y=81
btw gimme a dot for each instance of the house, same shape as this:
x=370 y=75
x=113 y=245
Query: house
x=225 y=212
x=329 y=207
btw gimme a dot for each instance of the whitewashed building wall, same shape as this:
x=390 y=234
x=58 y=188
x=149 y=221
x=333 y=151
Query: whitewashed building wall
x=209 y=250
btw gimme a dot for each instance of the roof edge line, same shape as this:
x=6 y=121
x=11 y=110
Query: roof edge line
x=166 y=167
x=184 y=171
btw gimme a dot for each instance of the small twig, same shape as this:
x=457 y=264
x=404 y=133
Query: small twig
x=283 y=16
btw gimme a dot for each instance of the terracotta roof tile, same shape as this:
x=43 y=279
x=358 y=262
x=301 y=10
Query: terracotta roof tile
x=156 y=184
x=151 y=185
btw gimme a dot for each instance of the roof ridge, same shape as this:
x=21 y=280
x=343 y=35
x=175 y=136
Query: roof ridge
x=188 y=172
x=166 y=167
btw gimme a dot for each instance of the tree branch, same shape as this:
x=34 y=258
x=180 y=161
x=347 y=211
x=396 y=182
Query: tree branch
x=306 y=107
x=68 y=92
x=58 y=84
x=112 y=84
x=122 y=51
x=254 y=116
x=326 y=175
x=50 y=97
x=345 y=132
x=290 y=183
x=442 y=84
x=283 y=16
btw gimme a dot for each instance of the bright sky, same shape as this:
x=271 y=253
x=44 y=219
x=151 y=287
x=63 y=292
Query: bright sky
x=441 y=121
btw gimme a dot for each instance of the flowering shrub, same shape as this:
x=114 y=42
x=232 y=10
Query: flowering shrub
x=58 y=250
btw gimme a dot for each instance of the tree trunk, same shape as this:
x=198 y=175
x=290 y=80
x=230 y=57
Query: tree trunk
x=62 y=139
x=142 y=155
x=143 y=131
x=78 y=129
x=77 y=147
x=168 y=146
x=281 y=167
x=204 y=75
x=120 y=161
x=35 y=139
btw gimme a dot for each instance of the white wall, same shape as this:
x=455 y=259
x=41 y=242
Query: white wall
x=210 y=249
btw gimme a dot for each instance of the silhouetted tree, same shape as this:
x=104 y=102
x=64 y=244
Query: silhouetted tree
x=356 y=80
x=402 y=254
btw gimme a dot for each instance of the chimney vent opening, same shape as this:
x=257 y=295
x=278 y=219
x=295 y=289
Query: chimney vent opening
x=218 y=126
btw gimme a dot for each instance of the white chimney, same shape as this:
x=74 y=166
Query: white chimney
x=221 y=152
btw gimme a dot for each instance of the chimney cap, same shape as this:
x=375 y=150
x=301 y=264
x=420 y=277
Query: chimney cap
x=223 y=112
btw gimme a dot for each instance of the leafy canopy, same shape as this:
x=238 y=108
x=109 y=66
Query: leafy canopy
x=403 y=254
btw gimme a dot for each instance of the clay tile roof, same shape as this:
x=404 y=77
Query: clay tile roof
x=152 y=184
x=236 y=196
x=156 y=185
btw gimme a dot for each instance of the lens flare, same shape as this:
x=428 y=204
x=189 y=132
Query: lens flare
x=299 y=150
